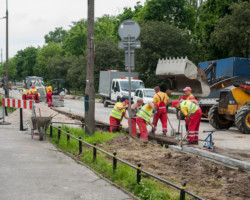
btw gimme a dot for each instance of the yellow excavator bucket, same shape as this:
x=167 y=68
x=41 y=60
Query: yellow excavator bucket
x=181 y=73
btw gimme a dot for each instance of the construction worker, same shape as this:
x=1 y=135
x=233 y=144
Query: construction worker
x=188 y=92
x=117 y=114
x=28 y=94
x=193 y=114
x=49 y=96
x=189 y=97
x=24 y=94
x=134 y=110
x=143 y=118
x=162 y=99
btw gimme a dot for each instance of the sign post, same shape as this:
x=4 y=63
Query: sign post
x=129 y=31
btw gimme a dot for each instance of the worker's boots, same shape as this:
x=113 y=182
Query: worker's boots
x=164 y=134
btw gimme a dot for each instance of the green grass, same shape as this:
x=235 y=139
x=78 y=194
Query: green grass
x=124 y=175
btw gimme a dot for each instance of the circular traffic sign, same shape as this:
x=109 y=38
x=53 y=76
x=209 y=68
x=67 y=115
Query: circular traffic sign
x=129 y=28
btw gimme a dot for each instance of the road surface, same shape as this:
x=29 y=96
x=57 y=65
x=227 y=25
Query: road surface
x=34 y=170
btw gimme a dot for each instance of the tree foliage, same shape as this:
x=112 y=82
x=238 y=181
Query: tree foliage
x=58 y=35
x=159 y=40
x=232 y=32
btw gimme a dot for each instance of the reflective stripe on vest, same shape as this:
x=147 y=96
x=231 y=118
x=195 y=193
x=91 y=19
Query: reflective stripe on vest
x=144 y=114
x=192 y=108
x=116 y=113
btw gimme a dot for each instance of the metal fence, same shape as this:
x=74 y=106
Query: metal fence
x=138 y=168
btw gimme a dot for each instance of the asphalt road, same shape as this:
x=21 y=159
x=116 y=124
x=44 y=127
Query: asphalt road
x=232 y=142
x=35 y=170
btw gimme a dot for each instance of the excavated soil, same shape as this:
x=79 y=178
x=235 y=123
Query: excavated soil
x=209 y=179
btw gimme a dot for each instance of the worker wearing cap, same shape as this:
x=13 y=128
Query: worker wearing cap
x=143 y=118
x=193 y=114
x=188 y=92
x=162 y=99
x=189 y=96
x=24 y=94
x=134 y=110
x=49 y=96
x=116 y=115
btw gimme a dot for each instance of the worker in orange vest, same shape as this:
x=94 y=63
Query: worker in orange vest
x=117 y=114
x=162 y=99
x=49 y=96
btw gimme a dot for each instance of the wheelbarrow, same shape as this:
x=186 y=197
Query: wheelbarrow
x=40 y=124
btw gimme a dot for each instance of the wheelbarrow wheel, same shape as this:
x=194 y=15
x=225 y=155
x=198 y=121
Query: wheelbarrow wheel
x=41 y=133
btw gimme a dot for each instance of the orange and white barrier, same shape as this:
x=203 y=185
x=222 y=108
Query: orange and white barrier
x=17 y=103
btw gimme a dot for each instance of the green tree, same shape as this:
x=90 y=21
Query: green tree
x=175 y=12
x=29 y=61
x=159 y=40
x=76 y=40
x=45 y=54
x=58 y=36
x=232 y=32
x=76 y=75
x=12 y=70
x=105 y=27
x=211 y=12
x=107 y=56
x=71 y=69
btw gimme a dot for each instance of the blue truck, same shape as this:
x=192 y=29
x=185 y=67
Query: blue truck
x=221 y=74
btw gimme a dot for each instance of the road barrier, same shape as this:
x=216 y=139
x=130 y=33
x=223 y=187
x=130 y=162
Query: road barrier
x=17 y=103
x=138 y=168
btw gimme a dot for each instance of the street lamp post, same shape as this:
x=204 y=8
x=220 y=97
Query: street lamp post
x=7 y=52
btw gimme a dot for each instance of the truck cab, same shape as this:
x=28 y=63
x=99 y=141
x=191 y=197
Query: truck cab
x=120 y=91
x=147 y=94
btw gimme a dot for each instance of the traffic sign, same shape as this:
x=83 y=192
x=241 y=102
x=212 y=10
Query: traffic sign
x=129 y=28
x=133 y=45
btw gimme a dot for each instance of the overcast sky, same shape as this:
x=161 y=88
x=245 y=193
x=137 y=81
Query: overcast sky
x=30 y=20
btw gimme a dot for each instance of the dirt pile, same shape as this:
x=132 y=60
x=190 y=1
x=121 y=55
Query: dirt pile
x=42 y=108
x=210 y=180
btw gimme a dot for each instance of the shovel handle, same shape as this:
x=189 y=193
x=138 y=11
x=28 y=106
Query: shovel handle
x=180 y=144
x=170 y=124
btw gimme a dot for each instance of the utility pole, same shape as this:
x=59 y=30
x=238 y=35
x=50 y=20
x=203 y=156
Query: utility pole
x=90 y=89
x=7 y=53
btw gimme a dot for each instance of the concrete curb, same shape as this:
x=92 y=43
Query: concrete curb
x=217 y=157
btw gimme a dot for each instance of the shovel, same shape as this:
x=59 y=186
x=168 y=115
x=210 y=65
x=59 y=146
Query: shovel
x=180 y=144
x=172 y=129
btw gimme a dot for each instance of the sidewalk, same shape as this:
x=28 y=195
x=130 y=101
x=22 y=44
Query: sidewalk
x=35 y=170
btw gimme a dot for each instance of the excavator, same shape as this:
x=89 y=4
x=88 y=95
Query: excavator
x=223 y=88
